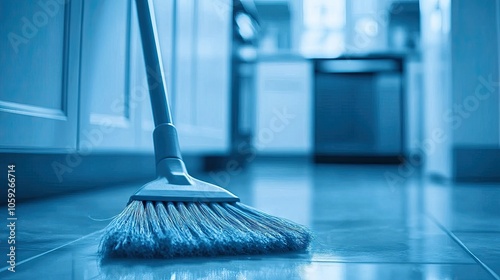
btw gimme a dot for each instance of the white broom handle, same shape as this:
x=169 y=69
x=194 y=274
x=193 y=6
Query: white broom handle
x=152 y=57
x=166 y=141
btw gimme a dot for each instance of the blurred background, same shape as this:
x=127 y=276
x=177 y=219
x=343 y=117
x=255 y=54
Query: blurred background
x=330 y=81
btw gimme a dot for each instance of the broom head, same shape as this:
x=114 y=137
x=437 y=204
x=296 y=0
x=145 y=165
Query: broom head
x=179 y=216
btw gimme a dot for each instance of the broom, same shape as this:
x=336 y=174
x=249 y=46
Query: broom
x=177 y=215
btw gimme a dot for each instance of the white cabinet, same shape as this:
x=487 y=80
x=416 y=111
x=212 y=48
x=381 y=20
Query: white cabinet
x=284 y=107
x=185 y=69
x=164 y=14
x=115 y=108
x=106 y=113
x=115 y=94
x=73 y=77
x=436 y=65
x=39 y=62
x=202 y=78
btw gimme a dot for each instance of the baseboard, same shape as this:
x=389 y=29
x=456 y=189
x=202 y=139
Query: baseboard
x=46 y=174
x=478 y=164
x=318 y=158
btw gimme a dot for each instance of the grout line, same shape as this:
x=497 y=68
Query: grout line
x=51 y=250
x=386 y=263
x=308 y=261
x=461 y=244
x=478 y=231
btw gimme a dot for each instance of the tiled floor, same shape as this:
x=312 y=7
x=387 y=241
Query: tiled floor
x=365 y=228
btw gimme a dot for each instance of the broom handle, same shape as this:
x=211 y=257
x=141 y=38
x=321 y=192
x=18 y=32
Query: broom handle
x=165 y=137
x=154 y=67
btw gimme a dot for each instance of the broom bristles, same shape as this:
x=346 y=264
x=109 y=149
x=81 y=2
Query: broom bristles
x=179 y=229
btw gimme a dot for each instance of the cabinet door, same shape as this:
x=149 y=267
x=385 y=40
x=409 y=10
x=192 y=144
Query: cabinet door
x=284 y=102
x=39 y=62
x=107 y=108
x=202 y=77
x=183 y=108
x=164 y=14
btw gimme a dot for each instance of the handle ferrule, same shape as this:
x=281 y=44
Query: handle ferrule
x=166 y=142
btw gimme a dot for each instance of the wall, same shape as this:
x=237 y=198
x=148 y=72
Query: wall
x=461 y=66
x=474 y=49
x=475 y=120
x=367 y=35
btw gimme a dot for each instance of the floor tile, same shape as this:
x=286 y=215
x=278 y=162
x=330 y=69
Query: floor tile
x=364 y=228
x=486 y=246
x=465 y=207
x=385 y=242
x=79 y=262
x=46 y=224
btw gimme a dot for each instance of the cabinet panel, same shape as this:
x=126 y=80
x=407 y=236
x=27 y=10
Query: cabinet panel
x=184 y=65
x=202 y=97
x=284 y=102
x=164 y=14
x=39 y=74
x=107 y=112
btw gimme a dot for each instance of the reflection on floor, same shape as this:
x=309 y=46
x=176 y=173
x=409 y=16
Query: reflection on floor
x=365 y=226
